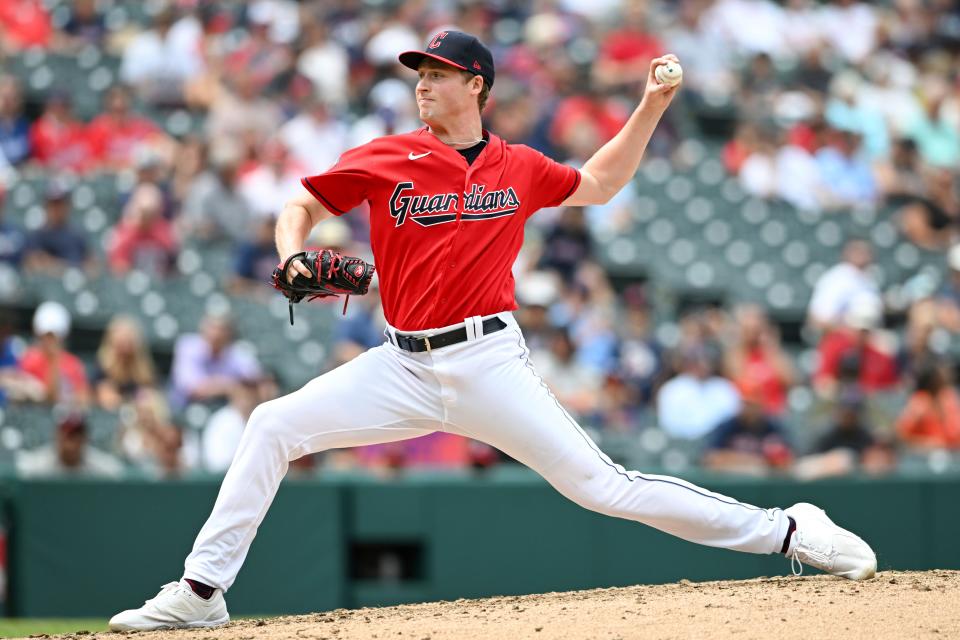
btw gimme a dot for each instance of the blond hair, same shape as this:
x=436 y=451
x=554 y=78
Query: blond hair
x=139 y=368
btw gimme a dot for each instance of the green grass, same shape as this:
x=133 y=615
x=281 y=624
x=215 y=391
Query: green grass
x=19 y=627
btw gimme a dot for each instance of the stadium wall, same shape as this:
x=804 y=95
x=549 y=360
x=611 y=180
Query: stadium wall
x=88 y=548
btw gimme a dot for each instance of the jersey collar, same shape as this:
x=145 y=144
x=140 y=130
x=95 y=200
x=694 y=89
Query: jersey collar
x=491 y=153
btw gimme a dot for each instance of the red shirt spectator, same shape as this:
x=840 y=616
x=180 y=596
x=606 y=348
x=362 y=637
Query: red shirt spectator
x=606 y=116
x=116 y=134
x=58 y=140
x=143 y=238
x=845 y=352
x=24 y=24
x=61 y=373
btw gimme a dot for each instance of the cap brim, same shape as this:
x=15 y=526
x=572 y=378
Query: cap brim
x=412 y=60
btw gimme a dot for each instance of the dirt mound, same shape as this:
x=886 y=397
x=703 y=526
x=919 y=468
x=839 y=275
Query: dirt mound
x=892 y=605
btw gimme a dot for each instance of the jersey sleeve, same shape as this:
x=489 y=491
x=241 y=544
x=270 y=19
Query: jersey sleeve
x=346 y=184
x=550 y=182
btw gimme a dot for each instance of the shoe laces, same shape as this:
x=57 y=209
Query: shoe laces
x=168 y=588
x=796 y=567
x=811 y=553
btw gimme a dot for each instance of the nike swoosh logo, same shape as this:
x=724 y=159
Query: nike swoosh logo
x=411 y=155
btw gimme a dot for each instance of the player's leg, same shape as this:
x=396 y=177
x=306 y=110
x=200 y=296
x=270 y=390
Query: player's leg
x=512 y=409
x=369 y=400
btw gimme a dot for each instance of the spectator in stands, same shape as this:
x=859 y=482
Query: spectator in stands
x=14 y=126
x=848 y=445
x=15 y=384
x=323 y=60
x=214 y=208
x=900 y=176
x=931 y=219
x=69 y=455
x=117 y=133
x=362 y=329
x=85 y=26
x=241 y=113
x=575 y=385
x=567 y=244
x=315 y=137
x=623 y=60
x=124 y=366
x=143 y=239
x=267 y=61
x=206 y=365
x=751 y=442
x=537 y=292
x=254 y=261
x=931 y=419
x=150 y=441
x=222 y=433
x=853 y=355
x=849 y=175
x=47 y=360
x=840 y=284
x=12 y=239
x=756 y=360
x=57 y=245
x=275 y=178
x=692 y=404
x=158 y=62
x=937 y=138
x=640 y=355
x=948 y=299
x=617 y=407
x=58 y=140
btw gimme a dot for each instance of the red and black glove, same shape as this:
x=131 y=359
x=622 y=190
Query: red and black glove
x=332 y=275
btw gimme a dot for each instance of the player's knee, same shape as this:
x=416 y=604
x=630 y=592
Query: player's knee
x=264 y=422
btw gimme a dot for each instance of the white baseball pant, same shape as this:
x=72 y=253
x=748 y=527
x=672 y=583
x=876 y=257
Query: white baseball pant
x=484 y=388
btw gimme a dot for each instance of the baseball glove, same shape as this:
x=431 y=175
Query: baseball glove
x=333 y=275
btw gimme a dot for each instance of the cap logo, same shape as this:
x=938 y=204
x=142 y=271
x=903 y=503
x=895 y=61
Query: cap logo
x=476 y=65
x=436 y=40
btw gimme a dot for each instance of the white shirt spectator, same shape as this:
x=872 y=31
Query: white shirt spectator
x=265 y=190
x=314 y=144
x=382 y=48
x=689 y=407
x=851 y=30
x=751 y=26
x=758 y=175
x=798 y=177
x=173 y=57
x=327 y=66
x=834 y=290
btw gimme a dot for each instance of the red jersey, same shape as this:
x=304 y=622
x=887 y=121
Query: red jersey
x=444 y=233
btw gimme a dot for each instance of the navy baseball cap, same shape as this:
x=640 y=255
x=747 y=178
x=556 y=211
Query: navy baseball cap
x=458 y=49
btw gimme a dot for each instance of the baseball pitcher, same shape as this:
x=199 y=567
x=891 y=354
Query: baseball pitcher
x=448 y=203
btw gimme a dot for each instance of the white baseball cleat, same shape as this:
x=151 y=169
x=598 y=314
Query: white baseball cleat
x=175 y=607
x=820 y=543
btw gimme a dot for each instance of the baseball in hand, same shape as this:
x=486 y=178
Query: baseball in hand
x=669 y=73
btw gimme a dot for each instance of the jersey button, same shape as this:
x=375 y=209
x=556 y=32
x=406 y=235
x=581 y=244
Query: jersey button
x=453 y=264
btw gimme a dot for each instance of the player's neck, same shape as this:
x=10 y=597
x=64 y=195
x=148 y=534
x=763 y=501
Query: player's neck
x=458 y=135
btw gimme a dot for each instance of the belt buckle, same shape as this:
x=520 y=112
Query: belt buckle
x=426 y=340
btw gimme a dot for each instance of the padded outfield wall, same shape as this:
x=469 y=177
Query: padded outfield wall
x=90 y=548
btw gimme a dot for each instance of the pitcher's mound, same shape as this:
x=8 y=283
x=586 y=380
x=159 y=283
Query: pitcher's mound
x=892 y=605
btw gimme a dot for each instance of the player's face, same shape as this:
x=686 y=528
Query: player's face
x=442 y=93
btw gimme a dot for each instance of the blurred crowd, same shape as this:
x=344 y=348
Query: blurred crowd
x=826 y=106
